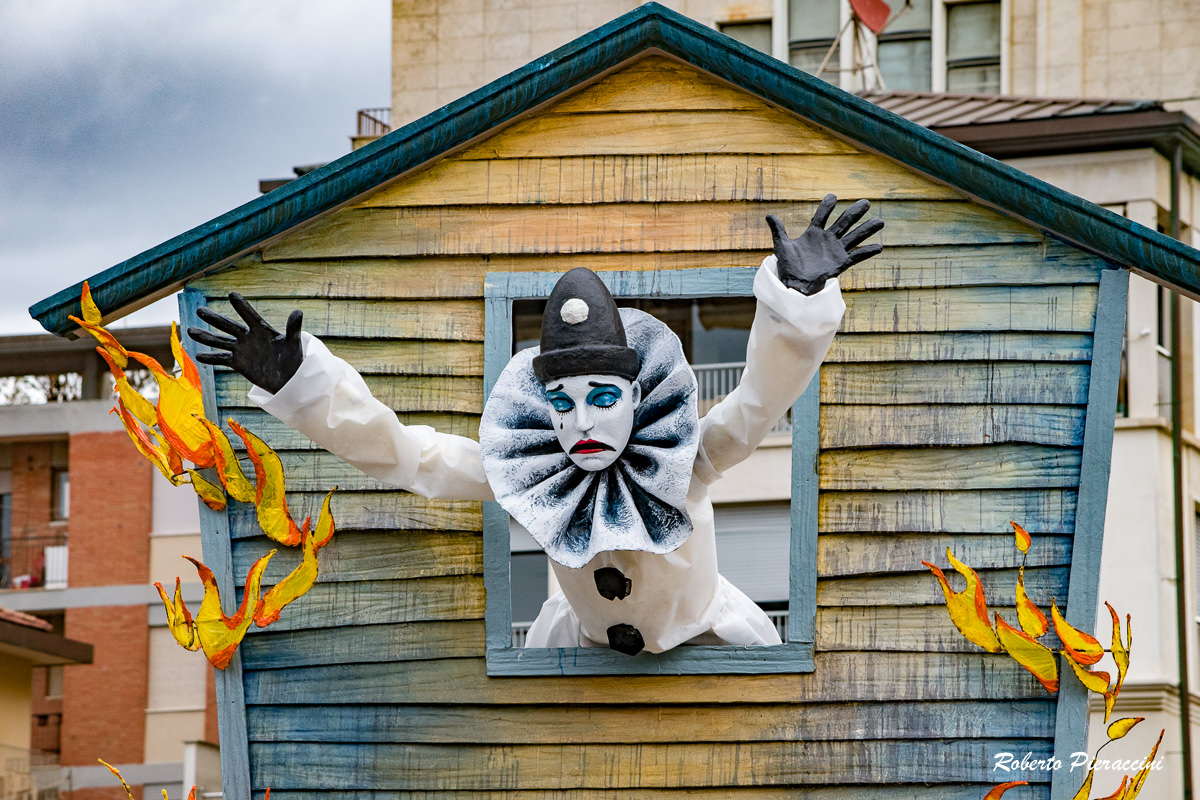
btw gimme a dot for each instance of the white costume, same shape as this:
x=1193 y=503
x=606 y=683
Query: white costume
x=676 y=596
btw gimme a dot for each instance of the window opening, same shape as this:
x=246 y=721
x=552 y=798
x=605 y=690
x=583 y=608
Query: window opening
x=711 y=311
x=754 y=33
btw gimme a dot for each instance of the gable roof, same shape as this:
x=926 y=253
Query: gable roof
x=163 y=269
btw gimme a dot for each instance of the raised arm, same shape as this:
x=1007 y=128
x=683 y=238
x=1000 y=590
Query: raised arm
x=799 y=309
x=299 y=381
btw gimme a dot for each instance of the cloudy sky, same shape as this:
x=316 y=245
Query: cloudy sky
x=126 y=122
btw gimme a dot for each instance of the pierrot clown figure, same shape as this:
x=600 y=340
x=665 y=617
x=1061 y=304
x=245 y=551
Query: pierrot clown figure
x=591 y=442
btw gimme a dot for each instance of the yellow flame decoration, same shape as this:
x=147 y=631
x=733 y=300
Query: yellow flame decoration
x=174 y=431
x=968 y=610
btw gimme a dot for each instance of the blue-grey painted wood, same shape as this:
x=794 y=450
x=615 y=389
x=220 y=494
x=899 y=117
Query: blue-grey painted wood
x=215 y=541
x=590 y=724
x=616 y=766
x=650 y=26
x=500 y=289
x=1072 y=720
x=886 y=677
x=802 y=571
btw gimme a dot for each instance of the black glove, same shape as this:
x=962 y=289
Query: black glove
x=807 y=262
x=263 y=355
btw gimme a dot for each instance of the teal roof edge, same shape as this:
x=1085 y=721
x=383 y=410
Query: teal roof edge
x=650 y=26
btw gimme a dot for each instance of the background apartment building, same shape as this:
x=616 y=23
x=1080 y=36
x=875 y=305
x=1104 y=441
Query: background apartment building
x=86 y=526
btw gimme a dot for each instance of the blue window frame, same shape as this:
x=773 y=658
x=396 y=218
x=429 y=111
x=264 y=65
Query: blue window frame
x=796 y=653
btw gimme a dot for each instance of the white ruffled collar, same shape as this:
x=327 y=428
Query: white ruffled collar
x=638 y=503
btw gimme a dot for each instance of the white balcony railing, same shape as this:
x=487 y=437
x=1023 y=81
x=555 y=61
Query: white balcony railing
x=780 y=618
x=715 y=381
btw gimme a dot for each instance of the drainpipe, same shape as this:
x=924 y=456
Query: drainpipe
x=1182 y=616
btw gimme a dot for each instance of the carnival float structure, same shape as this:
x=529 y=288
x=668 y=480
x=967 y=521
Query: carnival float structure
x=972 y=383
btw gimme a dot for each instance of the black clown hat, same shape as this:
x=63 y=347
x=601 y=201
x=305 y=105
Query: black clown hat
x=582 y=332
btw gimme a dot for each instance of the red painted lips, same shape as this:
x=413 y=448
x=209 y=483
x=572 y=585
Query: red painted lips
x=589 y=446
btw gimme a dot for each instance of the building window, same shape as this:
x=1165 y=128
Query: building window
x=54 y=682
x=60 y=494
x=973 y=47
x=673 y=298
x=905 y=48
x=1163 y=350
x=754 y=33
x=813 y=30
x=939 y=45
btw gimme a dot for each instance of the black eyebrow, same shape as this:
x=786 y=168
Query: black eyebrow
x=598 y=385
x=555 y=389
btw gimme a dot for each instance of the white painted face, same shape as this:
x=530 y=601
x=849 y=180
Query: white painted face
x=593 y=417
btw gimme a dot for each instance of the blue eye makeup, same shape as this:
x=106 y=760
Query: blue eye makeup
x=604 y=396
x=560 y=402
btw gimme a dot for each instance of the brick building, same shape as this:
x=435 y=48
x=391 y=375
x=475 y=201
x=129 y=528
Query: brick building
x=86 y=527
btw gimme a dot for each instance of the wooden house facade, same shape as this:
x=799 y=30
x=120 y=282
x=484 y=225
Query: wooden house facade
x=973 y=382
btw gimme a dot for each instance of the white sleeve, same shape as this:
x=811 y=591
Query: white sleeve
x=788 y=340
x=328 y=401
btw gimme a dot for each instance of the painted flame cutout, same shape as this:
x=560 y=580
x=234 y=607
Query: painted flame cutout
x=174 y=431
x=968 y=610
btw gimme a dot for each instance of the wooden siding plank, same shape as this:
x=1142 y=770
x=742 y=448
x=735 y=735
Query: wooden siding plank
x=450 y=320
x=656 y=82
x=1040 y=511
x=428 y=277
x=905 y=629
x=999 y=466
x=961 y=382
x=766 y=130
x=656 y=178
x=885 y=677
x=919 y=589
x=393 y=511
x=628 y=227
x=328 y=605
x=409 y=357
x=281 y=437
x=341 y=766
x=408 y=393
x=991 y=346
x=903 y=265
x=601 y=725
x=357 y=644
x=873 y=554
x=928 y=425
x=373 y=556
x=978 y=308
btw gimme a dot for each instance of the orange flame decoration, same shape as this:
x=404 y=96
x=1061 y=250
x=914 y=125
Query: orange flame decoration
x=969 y=612
x=174 y=430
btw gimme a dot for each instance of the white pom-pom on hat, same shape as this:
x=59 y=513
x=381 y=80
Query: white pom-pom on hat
x=574 y=311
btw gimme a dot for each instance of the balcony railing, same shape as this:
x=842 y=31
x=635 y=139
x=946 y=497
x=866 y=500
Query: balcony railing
x=29 y=774
x=521 y=629
x=34 y=562
x=715 y=381
x=374 y=121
